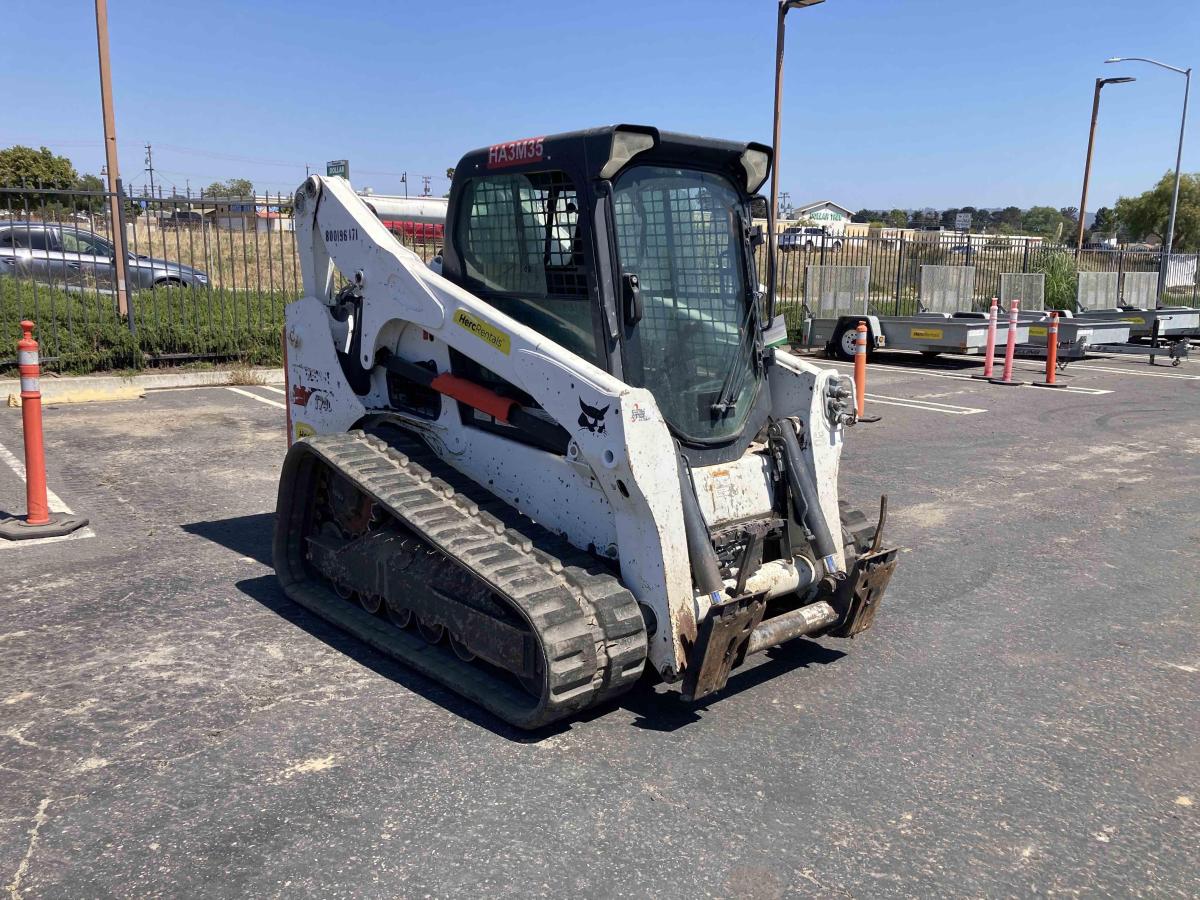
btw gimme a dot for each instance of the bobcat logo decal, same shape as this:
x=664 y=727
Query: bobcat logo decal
x=591 y=418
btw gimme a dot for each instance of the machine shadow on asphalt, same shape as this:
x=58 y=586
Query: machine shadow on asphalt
x=660 y=709
x=654 y=709
x=245 y=535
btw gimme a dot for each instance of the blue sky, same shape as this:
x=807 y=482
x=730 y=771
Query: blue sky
x=888 y=103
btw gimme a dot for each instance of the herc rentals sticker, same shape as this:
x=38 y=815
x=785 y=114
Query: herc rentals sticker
x=928 y=334
x=1037 y=331
x=515 y=153
x=482 y=330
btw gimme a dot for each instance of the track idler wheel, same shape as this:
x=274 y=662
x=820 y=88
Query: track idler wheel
x=461 y=650
x=400 y=616
x=372 y=603
x=432 y=633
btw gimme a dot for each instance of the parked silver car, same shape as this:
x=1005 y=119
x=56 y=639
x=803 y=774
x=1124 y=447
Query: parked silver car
x=77 y=259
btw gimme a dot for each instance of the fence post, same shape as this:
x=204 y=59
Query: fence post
x=121 y=263
x=899 y=270
x=1120 y=276
x=1025 y=256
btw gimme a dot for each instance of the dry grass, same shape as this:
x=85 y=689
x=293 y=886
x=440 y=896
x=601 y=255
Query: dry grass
x=234 y=259
x=241 y=259
x=244 y=374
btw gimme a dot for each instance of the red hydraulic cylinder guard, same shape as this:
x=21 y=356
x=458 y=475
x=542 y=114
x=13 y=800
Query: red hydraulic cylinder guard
x=474 y=395
x=37 y=506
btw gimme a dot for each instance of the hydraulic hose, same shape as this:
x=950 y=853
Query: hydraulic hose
x=806 y=502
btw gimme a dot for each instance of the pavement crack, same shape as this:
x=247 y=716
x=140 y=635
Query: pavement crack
x=39 y=819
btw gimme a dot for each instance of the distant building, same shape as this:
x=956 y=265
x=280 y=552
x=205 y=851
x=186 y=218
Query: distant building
x=824 y=213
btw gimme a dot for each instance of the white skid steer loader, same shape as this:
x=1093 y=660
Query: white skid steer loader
x=567 y=456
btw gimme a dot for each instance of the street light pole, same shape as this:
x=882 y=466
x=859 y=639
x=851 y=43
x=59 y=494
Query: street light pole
x=1087 y=166
x=1170 y=238
x=1166 y=261
x=773 y=206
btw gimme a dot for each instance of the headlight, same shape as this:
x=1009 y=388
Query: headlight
x=200 y=277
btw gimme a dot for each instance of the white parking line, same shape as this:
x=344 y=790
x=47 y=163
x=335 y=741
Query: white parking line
x=927 y=405
x=1088 y=367
x=1071 y=389
x=54 y=501
x=260 y=399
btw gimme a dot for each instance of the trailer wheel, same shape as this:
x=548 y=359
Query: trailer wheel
x=841 y=346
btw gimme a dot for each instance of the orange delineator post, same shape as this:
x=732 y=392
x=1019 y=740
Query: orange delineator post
x=36 y=504
x=1010 y=347
x=860 y=368
x=1051 y=353
x=38 y=521
x=989 y=352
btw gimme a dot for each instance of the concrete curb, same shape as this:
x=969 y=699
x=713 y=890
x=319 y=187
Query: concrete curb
x=97 y=388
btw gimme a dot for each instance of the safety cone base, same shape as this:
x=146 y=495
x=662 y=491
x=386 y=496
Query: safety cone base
x=1047 y=384
x=980 y=377
x=1013 y=383
x=60 y=524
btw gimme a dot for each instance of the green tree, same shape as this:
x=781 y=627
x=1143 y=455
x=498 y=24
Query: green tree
x=1105 y=221
x=1008 y=219
x=92 y=201
x=1147 y=214
x=897 y=218
x=234 y=187
x=25 y=166
x=1044 y=221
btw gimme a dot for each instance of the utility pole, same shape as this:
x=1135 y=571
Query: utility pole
x=150 y=167
x=773 y=206
x=404 y=178
x=1087 y=166
x=425 y=179
x=121 y=261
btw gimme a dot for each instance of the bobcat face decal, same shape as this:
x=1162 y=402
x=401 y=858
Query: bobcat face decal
x=591 y=418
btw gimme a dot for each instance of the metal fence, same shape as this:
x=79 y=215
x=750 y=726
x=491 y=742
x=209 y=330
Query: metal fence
x=896 y=267
x=207 y=277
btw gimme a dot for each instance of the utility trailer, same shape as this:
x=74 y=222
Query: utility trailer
x=1153 y=332
x=837 y=300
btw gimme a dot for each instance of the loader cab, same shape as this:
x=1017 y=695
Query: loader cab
x=632 y=248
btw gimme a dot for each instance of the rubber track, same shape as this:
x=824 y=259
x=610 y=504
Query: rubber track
x=591 y=630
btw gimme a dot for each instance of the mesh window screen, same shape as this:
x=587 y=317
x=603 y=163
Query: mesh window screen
x=520 y=242
x=677 y=231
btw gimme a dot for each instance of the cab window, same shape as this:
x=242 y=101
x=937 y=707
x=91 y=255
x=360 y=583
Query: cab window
x=518 y=237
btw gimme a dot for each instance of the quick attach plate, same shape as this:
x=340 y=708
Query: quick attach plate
x=858 y=595
x=721 y=644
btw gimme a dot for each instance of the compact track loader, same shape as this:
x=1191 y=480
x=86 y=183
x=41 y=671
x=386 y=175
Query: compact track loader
x=565 y=455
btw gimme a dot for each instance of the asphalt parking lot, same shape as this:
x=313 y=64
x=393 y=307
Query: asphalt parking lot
x=1022 y=719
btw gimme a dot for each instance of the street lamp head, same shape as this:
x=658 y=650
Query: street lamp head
x=1113 y=59
x=797 y=4
x=1124 y=80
